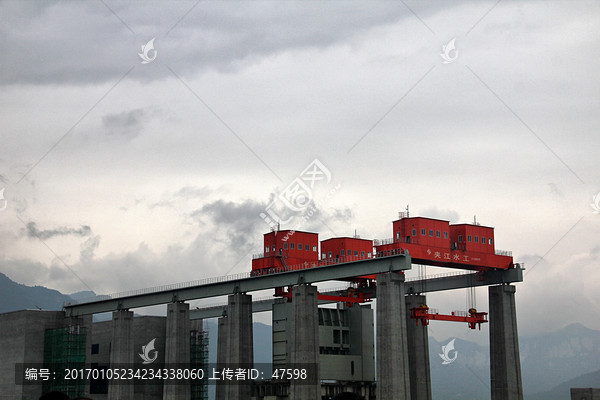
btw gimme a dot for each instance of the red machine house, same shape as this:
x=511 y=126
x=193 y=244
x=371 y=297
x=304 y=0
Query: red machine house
x=286 y=248
x=436 y=242
x=429 y=241
x=344 y=249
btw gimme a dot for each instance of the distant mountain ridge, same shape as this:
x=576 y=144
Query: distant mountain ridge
x=14 y=296
x=563 y=391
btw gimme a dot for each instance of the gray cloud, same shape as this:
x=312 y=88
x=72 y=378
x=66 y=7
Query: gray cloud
x=240 y=221
x=192 y=192
x=445 y=214
x=126 y=124
x=88 y=248
x=34 y=232
x=91 y=45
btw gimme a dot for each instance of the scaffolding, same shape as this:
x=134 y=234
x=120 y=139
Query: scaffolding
x=64 y=348
x=199 y=360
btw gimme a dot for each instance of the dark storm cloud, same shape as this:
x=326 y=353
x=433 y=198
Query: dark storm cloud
x=34 y=232
x=85 y=42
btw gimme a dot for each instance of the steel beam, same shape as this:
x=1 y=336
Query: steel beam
x=417 y=286
x=487 y=278
x=310 y=275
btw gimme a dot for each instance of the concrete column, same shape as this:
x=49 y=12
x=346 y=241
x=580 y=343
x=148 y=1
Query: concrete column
x=121 y=352
x=240 y=346
x=418 y=352
x=303 y=342
x=222 y=347
x=505 y=363
x=393 y=380
x=177 y=348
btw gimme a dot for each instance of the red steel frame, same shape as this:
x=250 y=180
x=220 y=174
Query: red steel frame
x=352 y=297
x=474 y=318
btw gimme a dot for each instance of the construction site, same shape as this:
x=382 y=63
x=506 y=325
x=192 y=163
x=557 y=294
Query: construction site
x=349 y=351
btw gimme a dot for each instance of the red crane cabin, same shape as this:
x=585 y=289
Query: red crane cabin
x=344 y=249
x=286 y=248
x=435 y=242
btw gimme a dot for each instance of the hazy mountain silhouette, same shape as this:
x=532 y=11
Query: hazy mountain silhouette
x=14 y=296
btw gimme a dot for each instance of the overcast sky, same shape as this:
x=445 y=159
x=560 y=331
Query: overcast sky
x=123 y=171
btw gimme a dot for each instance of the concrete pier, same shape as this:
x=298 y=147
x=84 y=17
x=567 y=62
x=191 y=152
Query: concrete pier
x=505 y=363
x=222 y=347
x=177 y=348
x=303 y=342
x=122 y=352
x=418 y=352
x=393 y=380
x=240 y=346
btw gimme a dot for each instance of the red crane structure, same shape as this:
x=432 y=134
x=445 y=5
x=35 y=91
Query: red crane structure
x=428 y=241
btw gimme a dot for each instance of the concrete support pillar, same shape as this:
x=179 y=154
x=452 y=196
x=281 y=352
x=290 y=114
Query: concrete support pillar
x=418 y=352
x=177 y=348
x=303 y=342
x=121 y=353
x=393 y=380
x=222 y=347
x=240 y=346
x=505 y=363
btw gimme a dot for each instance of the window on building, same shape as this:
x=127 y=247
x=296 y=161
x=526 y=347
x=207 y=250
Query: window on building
x=422 y=232
x=459 y=238
x=476 y=239
x=285 y=246
x=397 y=235
x=445 y=235
x=323 y=256
x=299 y=246
x=273 y=248
x=336 y=336
x=292 y=245
x=95 y=348
x=438 y=234
x=431 y=232
x=314 y=248
x=491 y=241
x=414 y=232
x=468 y=238
x=349 y=252
x=356 y=252
x=266 y=249
x=345 y=337
x=342 y=252
x=329 y=254
x=483 y=240
x=362 y=253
